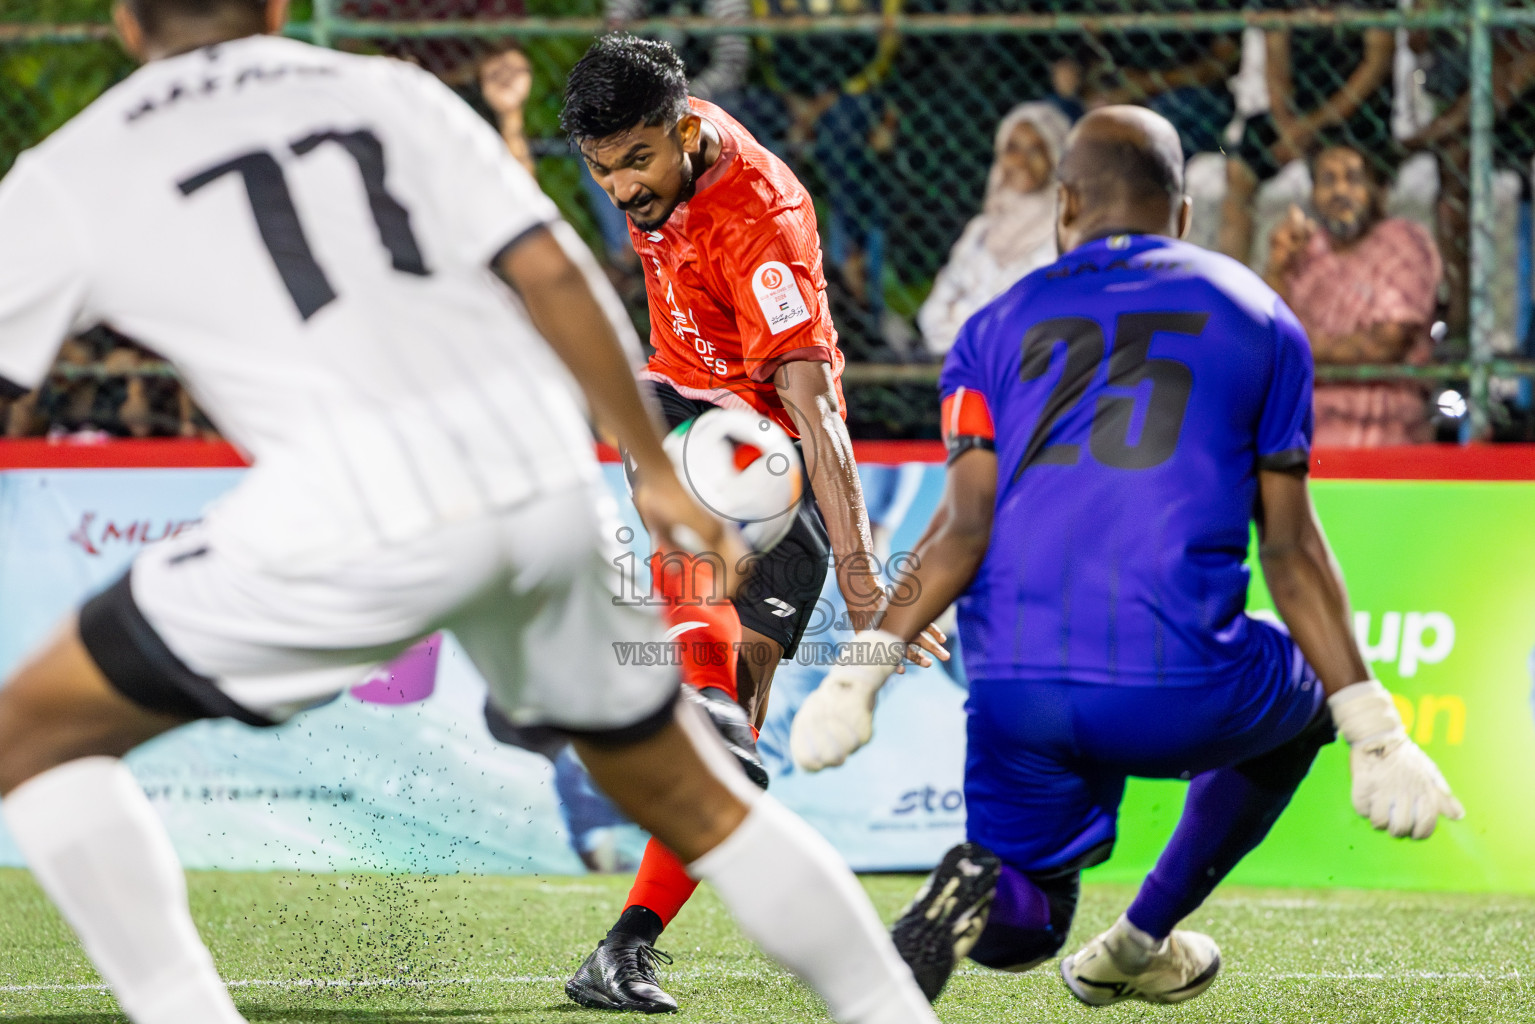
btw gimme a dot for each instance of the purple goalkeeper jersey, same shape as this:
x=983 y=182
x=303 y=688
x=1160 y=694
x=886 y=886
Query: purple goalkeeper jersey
x=1135 y=388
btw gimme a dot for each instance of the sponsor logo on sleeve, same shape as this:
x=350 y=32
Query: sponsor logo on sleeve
x=779 y=296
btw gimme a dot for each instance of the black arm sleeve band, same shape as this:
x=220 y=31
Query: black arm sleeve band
x=962 y=444
x=1287 y=461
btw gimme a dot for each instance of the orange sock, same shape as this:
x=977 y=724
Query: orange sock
x=661 y=886
x=708 y=628
x=710 y=632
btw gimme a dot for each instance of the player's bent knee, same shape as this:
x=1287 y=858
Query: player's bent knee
x=679 y=784
x=58 y=707
x=1004 y=948
x=1283 y=768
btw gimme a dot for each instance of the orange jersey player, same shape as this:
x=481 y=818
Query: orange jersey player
x=735 y=283
x=739 y=319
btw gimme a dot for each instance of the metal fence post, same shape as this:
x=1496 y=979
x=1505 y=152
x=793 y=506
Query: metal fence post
x=320 y=21
x=1482 y=214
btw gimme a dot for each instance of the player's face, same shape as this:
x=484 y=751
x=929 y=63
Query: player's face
x=646 y=171
x=1025 y=160
x=1343 y=194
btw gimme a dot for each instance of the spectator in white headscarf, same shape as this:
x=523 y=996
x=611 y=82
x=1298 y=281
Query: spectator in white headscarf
x=1012 y=235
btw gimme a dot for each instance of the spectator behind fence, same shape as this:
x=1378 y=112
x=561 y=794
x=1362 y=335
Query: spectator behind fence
x=1447 y=75
x=454 y=59
x=120 y=402
x=506 y=82
x=1365 y=288
x=852 y=142
x=716 y=71
x=1181 y=75
x=832 y=90
x=1013 y=234
x=1323 y=79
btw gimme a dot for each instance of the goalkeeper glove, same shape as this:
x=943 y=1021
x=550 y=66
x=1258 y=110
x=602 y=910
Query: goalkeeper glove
x=838 y=717
x=1396 y=785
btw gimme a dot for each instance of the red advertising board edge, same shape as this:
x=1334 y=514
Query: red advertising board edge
x=1423 y=462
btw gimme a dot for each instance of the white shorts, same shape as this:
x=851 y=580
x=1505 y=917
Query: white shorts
x=531 y=593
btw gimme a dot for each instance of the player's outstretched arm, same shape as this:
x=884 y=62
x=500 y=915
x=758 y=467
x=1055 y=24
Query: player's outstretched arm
x=1305 y=580
x=838 y=717
x=562 y=289
x=951 y=549
x=1396 y=785
x=809 y=393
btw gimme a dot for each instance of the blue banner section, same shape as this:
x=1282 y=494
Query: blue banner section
x=401 y=774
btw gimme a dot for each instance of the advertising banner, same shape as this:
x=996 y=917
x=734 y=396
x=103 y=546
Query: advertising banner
x=401 y=774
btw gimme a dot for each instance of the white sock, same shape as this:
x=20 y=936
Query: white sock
x=794 y=897
x=101 y=854
x=1131 y=948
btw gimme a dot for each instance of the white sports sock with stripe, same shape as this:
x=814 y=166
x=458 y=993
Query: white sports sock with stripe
x=795 y=897
x=99 y=851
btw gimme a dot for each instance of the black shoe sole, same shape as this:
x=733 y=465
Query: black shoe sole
x=591 y=1001
x=928 y=944
x=596 y=1001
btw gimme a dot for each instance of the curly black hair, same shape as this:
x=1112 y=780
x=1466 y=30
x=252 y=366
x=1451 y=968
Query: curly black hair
x=623 y=81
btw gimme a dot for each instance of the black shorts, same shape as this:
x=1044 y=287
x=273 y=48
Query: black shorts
x=779 y=598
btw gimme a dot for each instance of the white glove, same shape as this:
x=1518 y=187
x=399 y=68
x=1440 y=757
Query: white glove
x=838 y=717
x=1396 y=785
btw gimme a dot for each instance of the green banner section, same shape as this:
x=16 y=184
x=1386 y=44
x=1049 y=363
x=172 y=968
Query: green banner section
x=1442 y=581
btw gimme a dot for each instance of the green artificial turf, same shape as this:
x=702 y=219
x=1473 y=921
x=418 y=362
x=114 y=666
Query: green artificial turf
x=366 y=948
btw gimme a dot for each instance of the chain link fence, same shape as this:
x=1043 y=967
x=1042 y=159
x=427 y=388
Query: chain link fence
x=889 y=110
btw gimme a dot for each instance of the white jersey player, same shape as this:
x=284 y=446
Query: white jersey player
x=314 y=240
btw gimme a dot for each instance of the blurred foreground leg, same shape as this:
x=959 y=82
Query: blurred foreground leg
x=93 y=842
x=786 y=886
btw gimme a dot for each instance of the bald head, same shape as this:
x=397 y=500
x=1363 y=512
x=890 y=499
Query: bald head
x=1122 y=171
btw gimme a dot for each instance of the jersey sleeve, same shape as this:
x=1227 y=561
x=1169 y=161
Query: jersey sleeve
x=490 y=199
x=965 y=420
x=43 y=276
x=1284 y=428
x=780 y=302
x=963 y=366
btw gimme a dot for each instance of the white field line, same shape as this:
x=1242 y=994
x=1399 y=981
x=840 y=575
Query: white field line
x=1395 y=975
x=550 y=979
x=298 y=983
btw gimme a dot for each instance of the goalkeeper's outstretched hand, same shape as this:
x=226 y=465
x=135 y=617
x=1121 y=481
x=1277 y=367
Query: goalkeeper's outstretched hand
x=838 y=717
x=1396 y=785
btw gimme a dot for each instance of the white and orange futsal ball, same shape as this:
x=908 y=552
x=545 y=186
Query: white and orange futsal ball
x=742 y=467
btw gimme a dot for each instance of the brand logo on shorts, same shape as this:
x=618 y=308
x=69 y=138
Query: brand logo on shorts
x=93 y=538
x=782 y=609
